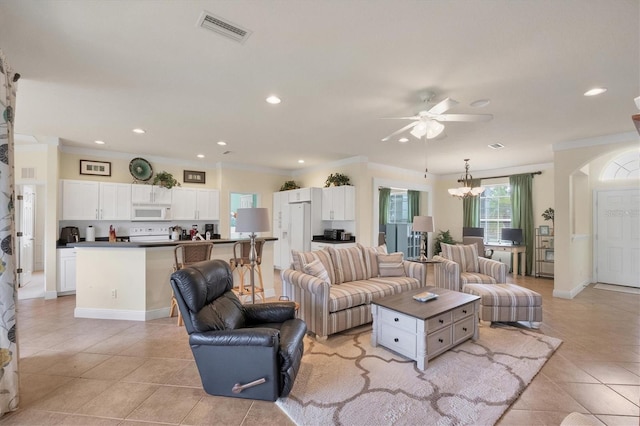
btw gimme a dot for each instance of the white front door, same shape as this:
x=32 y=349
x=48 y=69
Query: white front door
x=26 y=226
x=618 y=237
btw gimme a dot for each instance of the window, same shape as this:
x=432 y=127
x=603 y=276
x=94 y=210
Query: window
x=624 y=166
x=495 y=210
x=399 y=207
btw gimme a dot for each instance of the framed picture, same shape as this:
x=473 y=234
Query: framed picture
x=100 y=168
x=544 y=230
x=548 y=255
x=191 y=176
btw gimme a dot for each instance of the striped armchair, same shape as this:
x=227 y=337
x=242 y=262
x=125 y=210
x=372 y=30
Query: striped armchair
x=460 y=265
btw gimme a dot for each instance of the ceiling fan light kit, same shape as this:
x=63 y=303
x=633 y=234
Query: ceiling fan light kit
x=466 y=190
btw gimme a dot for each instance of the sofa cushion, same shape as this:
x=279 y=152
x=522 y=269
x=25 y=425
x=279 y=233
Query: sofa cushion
x=390 y=265
x=302 y=258
x=399 y=284
x=317 y=269
x=371 y=259
x=465 y=256
x=356 y=293
x=476 y=278
x=348 y=263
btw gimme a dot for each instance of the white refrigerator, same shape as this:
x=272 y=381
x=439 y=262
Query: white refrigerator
x=300 y=227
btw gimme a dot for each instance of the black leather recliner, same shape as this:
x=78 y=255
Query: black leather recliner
x=244 y=351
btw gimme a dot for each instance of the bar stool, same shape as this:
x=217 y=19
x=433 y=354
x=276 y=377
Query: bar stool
x=184 y=255
x=242 y=264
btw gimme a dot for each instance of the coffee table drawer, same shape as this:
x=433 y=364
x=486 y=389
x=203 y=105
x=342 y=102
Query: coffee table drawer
x=463 y=329
x=398 y=320
x=438 y=322
x=438 y=342
x=398 y=340
x=462 y=311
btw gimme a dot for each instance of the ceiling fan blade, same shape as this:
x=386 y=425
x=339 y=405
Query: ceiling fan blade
x=463 y=117
x=415 y=117
x=636 y=121
x=397 y=132
x=443 y=106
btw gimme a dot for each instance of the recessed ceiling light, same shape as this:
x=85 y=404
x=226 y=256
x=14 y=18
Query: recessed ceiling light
x=222 y=143
x=139 y=131
x=403 y=140
x=480 y=103
x=200 y=155
x=99 y=142
x=273 y=99
x=301 y=161
x=595 y=91
x=497 y=145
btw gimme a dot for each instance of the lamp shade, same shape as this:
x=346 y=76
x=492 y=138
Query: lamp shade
x=252 y=220
x=423 y=224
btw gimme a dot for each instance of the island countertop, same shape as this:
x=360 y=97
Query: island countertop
x=168 y=243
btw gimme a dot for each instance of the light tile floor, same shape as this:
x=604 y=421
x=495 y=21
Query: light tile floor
x=83 y=372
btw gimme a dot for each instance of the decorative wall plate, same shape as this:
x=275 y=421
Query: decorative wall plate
x=140 y=169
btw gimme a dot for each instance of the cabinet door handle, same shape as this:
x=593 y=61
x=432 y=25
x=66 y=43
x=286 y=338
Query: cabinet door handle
x=464 y=328
x=396 y=319
x=441 y=321
x=464 y=311
x=440 y=340
x=396 y=340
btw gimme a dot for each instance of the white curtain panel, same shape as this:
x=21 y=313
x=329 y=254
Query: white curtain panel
x=8 y=294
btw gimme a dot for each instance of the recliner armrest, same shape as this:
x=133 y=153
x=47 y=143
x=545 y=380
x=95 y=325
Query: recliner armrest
x=269 y=312
x=268 y=337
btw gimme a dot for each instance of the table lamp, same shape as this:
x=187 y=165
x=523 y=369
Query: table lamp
x=423 y=224
x=253 y=220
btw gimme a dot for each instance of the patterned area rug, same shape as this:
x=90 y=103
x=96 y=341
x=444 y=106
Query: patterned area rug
x=345 y=381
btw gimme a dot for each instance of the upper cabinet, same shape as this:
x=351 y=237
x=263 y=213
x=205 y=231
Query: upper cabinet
x=339 y=203
x=198 y=204
x=150 y=194
x=88 y=200
x=301 y=195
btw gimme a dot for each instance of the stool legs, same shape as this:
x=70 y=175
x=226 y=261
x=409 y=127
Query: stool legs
x=243 y=290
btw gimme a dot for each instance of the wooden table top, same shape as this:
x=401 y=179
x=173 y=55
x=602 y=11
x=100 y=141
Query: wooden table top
x=405 y=303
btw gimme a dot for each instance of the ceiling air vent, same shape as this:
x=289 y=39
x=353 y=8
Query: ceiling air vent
x=496 y=146
x=224 y=27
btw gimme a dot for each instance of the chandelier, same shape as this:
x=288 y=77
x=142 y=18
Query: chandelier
x=466 y=190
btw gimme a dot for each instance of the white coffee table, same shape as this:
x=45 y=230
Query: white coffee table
x=423 y=330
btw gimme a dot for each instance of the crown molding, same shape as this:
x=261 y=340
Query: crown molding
x=598 y=140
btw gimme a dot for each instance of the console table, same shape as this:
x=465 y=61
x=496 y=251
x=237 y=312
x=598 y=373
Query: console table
x=516 y=250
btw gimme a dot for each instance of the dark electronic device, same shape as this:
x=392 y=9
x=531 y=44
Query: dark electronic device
x=512 y=234
x=69 y=234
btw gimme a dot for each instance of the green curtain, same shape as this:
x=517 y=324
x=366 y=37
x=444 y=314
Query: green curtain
x=413 y=209
x=385 y=195
x=471 y=208
x=522 y=213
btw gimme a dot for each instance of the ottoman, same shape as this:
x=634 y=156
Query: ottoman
x=507 y=303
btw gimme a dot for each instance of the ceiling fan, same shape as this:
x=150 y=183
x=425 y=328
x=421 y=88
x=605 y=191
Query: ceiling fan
x=427 y=122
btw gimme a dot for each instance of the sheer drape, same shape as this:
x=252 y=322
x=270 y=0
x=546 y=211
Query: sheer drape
x=522 y=213
x=8 y=348
x=471 y=208
x=385 y=195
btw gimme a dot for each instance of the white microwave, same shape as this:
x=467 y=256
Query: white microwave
x=151 y=212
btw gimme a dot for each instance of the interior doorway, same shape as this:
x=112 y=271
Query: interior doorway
x=240 y=200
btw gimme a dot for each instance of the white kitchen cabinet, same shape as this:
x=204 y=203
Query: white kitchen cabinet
x=281 y=247
x=88 y=200
x=191 y=203
x=339 y=203
x=66 y=260
x=115 y=201
x=299 y=195
x=80 y=200
x=150 y=194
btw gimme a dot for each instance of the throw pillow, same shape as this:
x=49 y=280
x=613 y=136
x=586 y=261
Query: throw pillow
x=465 y=256
x=317 y=269
x=371 y=259
x=391 y=265
x=348 y=263
x=302 y=258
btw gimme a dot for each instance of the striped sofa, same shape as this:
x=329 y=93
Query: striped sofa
x=341 y=299
x=461 y=269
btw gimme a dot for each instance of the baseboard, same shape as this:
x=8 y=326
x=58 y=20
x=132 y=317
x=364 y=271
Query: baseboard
x=121 y=314
x=573 y=292
x=48 y=295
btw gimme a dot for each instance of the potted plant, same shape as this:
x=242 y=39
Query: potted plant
x=549 y=214
x=442 y=237
x=288 y=185
x=337 y=179
x=165 y=179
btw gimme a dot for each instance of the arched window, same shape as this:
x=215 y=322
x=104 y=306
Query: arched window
x=624 y=166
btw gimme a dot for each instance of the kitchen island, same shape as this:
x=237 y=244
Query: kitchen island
x=130 y=280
